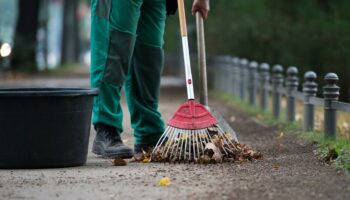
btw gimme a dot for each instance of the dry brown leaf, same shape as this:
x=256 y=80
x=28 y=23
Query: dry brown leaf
x=119 y=162
x=138 y=157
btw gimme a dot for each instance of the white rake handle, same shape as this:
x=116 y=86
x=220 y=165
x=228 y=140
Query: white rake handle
x=186 y=53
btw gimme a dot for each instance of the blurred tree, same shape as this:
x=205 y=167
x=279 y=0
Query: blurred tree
x=70 y=37
x=25 y=40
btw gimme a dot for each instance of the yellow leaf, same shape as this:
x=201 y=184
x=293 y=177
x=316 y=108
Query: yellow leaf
x=164 y=181
x=146 y=160
x=280 y=136
x=228 y=135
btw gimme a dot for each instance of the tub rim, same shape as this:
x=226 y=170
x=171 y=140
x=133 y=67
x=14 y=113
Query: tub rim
x=47 y=92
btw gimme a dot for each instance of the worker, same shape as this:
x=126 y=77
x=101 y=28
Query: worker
x=127 y=50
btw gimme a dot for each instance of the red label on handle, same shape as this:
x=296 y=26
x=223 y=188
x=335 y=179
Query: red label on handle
x=189 y=81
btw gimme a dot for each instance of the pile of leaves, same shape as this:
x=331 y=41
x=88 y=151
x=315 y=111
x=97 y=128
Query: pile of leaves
x=201 y=148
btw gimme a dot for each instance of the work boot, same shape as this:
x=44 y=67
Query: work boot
x=108 y=143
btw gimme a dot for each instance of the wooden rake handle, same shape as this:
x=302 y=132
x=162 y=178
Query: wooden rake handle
x=182 y=17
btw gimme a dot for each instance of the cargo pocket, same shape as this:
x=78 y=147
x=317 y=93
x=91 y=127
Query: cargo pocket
x=103 y=8
x=119 y=56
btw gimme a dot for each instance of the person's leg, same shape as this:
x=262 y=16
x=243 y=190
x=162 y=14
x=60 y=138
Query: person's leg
x=143 y=83
x=113 y=35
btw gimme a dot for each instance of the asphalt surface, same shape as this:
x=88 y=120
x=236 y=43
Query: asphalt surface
x=288 y=170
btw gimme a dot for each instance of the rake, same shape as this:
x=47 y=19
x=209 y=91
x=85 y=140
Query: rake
x=193 y=133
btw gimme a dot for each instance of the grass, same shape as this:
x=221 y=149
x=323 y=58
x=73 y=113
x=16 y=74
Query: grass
x=335 y=152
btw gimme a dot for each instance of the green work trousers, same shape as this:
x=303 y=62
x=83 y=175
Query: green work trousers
x=126 y=50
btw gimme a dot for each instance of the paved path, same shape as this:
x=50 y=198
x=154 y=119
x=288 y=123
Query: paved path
x=288 y=170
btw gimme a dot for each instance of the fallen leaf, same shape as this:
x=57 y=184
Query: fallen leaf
x=280 y=136
x=280 y=146
x=146 y=160
x=259 y=117
x=138 y=157
x=213 y=152
x=119 y=162
x=276 y=165
x=165 y=181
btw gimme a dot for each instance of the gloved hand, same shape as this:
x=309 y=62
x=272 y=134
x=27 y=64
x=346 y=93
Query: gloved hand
x=202 y=6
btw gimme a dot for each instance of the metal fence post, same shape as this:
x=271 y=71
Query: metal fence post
x=331 y=94
x=236 y=76
x=222 y=68
x=277 y=80
x=264 y=83
x=309 y=90
x=228 y=82
x=246 y=82
x=291 y=85
x=242 y=86
x=231 y=75
x=215 y=70
x=253 y=66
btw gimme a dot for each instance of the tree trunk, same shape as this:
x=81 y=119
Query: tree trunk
x=70 y=37
x=25 y=41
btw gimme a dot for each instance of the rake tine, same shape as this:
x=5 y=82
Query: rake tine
x=210 y=139
x=174 y=145
x=193 y=146
x=223 y=133
x=161 y=140
x=181 y=148
x=177 y=146
x=185 y=147
x=227 y=141
x=224 y=150
x=190 y=145
x=198 y=153
x=174 y=140
x=182 y=144
x=168 y=143
x=205 y=138
x=202 y=139
x=220 y=131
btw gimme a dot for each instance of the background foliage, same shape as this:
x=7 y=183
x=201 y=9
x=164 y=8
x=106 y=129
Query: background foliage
x=312 y=34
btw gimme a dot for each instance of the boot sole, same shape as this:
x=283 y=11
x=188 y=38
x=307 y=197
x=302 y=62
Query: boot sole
x=124 y=155
x=96 y=149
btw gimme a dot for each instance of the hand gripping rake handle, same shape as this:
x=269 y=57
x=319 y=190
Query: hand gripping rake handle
x=186 y=53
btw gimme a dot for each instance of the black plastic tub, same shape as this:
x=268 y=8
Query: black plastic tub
x=45 y=127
